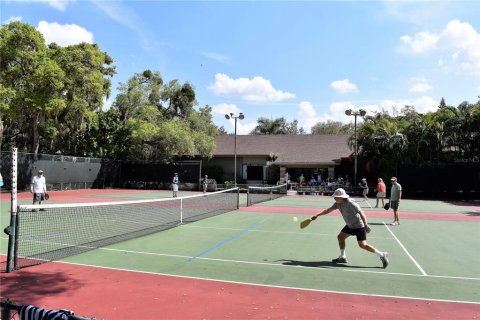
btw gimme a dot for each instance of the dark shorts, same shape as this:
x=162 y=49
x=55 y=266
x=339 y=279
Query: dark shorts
x=360 y=233
x=394 y=204
x=37 y=197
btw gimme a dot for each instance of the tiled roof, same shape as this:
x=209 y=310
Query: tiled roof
x=292 y=149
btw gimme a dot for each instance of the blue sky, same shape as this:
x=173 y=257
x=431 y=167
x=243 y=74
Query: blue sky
x=308 y=61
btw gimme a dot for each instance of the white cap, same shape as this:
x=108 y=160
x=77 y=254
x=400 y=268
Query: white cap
x=340 y=193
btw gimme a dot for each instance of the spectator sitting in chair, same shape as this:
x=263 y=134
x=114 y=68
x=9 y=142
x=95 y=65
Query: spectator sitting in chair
x=312 y=182
x=330 y=184
x=302 y=180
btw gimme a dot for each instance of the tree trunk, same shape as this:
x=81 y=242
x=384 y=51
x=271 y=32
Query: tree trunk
x=35 y=135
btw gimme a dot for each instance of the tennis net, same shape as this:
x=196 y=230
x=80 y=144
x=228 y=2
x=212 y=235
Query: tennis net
x=52 y=232
x=261 y=194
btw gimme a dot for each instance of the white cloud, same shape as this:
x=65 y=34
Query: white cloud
x=308 y=115
x=12 y=19
x=225 y=108
x=256 y=89
x=423 y=104
x=421 y=42
x=243 y=127
x=420 y=85
x=344 y=86
x=60 y=5
x=64 y=35
x=464 y=40
x=458 y=45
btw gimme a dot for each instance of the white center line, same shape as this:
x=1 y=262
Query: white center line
x=406 y=251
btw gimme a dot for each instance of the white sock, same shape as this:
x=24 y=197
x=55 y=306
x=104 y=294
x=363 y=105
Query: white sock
x=378 y=253
x=342 y=253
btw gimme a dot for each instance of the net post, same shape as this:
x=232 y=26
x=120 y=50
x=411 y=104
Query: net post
x=11 y=258
x=238 y=198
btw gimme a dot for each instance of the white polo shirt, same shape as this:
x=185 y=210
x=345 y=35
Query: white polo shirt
x=39 y=184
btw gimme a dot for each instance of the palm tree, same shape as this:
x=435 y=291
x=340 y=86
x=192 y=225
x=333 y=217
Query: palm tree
x=267 y=126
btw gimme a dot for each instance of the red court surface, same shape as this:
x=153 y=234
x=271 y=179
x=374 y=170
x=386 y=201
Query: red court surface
x=370 y=213
x=81 y=195
x=116 y=294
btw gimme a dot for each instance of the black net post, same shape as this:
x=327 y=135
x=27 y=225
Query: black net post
x=13 y=215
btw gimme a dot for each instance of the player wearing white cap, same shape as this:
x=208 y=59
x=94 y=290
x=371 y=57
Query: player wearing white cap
x=38 y=187
x=356 y=224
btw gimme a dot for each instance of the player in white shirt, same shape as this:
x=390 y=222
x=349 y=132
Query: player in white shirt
x=38 y=187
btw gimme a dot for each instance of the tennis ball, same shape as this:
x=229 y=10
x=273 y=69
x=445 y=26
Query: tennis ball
x=295 y=219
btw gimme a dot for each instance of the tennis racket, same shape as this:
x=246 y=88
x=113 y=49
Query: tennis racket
x=386 y=206
x=306 y=222
x=46 y=196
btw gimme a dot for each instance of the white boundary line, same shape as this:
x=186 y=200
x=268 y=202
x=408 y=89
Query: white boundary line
x=273 y=286
x=406 y=251
x=290 y=266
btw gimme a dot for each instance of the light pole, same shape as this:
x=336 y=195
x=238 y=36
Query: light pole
x=355 y=113
x=241 y=117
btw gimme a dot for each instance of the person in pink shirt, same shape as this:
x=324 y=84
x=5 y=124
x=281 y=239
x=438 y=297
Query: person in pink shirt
x=381 y=191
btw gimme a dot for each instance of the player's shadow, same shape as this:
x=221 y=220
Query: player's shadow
x=377 y=224
x=321 y=264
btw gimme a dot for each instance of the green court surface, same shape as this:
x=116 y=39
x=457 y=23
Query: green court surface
x=429 y=259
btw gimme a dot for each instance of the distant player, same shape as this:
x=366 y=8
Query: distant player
x=205 y=184
x=175 y=182
x=38 y=187
x=395 y=196
x=381 y=191
x=356 y=224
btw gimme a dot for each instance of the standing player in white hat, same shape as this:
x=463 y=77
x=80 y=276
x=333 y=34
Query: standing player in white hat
x=38 y=187
x=356 y=224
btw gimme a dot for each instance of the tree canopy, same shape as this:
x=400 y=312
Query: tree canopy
x=52 y=101
x=448 y=135
x=276 y=126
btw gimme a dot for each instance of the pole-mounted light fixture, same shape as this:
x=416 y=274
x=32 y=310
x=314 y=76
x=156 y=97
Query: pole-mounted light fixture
x=355 y=113
x=241 y=117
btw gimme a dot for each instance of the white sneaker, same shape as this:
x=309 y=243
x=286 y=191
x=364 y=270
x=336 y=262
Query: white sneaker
x=394 y=223
x=385 y=260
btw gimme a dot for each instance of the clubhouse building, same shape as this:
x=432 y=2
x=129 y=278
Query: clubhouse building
x=311 y=155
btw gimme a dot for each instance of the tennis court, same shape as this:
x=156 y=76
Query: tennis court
x=256 y=263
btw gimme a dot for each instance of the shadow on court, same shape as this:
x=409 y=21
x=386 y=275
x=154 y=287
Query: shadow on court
x=472 y=213
x=322 y=264
x=29 y=286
